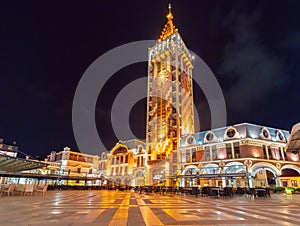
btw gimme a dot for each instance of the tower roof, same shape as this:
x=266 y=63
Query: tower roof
x=169 y=27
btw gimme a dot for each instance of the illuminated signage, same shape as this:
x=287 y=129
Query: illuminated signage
x=157 y=177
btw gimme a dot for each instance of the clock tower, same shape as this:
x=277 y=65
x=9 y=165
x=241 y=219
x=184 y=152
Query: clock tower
x=170 y=105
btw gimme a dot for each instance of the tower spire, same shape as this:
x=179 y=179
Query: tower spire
x=169 y=27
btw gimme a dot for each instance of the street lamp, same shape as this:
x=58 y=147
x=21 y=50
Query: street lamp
x=200 y=166
x=222 y=164
x=247 y=176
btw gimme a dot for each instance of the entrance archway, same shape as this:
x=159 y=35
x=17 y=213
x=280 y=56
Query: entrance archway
x=191 y=171
x=289 y=173
x=265 y=174
x=238 y=175
x=118 y=181
x=139 y=178
x=127 y=181
x=290 y=176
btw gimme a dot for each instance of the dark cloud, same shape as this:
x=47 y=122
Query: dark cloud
x=292 y=42
x=254 y=70
x=45 y=50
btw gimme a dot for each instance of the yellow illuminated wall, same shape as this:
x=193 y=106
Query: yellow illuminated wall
x=170 y=93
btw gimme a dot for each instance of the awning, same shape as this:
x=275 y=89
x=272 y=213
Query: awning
x=14 y=164
x=208 y=175
x=294 y=140
x=48 y=176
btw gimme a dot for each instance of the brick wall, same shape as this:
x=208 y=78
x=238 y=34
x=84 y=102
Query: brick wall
x=275 y=153
x=250 y=151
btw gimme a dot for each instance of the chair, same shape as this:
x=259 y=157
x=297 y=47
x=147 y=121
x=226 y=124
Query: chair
x=227 y=192
x=261 y=193
x=268 y=192
x=8 y=188
x=205 y=191
x=169 y=190
x=29 y=189
x=195 y=191
x=42 y=189
x=213 y=192
x=252 y=193
x=148 y=190
x=19 y=188
x=241 y=191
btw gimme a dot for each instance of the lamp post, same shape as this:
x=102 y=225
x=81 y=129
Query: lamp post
x=200 y=166
x=180 y=176
x=69 y=171
x=222 y=164
x=248 y=164
x=247 y=175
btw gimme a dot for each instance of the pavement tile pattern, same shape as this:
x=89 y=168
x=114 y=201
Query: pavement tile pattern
x=130 y=208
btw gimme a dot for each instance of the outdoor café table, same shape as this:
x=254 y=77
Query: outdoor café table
x=261 y=192
x=164 y=190
x=188 y=190
x=217 y=191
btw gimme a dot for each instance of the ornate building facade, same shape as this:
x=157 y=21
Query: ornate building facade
x=71 y=163
x=249 y=155
x=173 y=154
x=125 y=163
x=238 y=155
x=170 y=99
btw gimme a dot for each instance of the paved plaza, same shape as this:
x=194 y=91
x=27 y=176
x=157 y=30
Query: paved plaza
x=129 y=208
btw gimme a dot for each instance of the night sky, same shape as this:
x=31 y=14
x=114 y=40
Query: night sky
x=253 y=48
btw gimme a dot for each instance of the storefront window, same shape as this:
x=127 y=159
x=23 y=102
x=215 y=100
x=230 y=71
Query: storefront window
x=229 y=151
x=194 y=154
x=214 y=152
x=236 y=150
x=294 y=183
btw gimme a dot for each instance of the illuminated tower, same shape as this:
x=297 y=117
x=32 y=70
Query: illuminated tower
x=170 y=111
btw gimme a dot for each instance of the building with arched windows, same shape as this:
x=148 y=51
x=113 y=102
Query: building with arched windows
x=173 y=154
x=249 y=155
x=125 y=164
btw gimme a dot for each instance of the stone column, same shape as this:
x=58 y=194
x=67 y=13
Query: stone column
x=281 y=152
x=181 y=182
x=232 y=151
x=278 y=182
x=267 y=151
x=148 y=173
x=167 y=173
x=223 y=182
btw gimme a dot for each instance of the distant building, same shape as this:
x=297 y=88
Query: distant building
x=241 y=155
x=8 y=149
x=13 y=161
x=125 y=164
x=258 y=151
x=72 y=163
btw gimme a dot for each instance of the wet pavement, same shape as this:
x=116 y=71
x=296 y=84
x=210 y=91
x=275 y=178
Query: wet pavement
x=130 y=208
